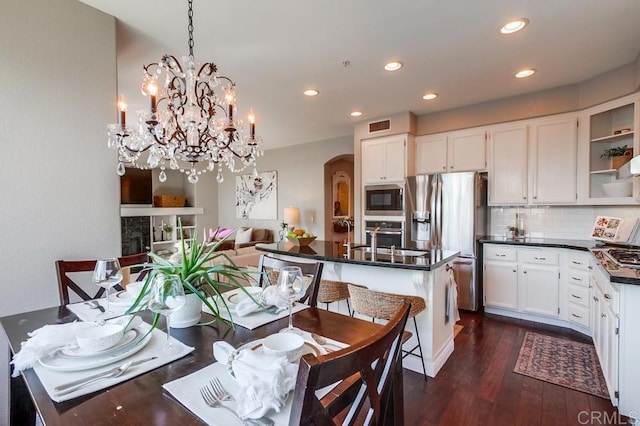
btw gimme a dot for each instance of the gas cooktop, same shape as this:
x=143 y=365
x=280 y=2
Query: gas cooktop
x=625 y=257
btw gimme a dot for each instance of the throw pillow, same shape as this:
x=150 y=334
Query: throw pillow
x=259 y=234
x=243 y=236
x=222 y=233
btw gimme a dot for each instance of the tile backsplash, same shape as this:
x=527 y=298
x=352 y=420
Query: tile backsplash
x=566 y=222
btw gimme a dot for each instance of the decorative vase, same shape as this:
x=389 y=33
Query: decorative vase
x=189 y=314
x=340 y=229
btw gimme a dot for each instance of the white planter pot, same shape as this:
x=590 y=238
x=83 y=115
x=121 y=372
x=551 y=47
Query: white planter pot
x=189 y=314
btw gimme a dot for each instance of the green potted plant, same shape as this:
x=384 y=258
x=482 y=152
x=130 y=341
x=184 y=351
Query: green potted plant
x=619 y=155
x=342 y=224
x=201 y=278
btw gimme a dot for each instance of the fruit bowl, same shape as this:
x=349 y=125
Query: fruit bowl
x=301 y=241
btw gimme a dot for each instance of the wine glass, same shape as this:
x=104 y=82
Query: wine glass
x=291 y=287
x=166 y=296
x=106 y=274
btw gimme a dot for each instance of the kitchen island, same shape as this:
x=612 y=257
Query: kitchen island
x=415 y=273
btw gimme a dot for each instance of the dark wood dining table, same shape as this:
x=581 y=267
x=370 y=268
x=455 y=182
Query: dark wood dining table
x=142 y=400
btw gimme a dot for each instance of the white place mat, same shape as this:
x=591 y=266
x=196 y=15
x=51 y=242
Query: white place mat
x=255 y=319
x=85 y=312
x=187 y=391
x=50 y=378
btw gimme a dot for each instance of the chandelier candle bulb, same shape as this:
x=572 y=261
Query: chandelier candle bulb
x=252 y=125
x=122 y=108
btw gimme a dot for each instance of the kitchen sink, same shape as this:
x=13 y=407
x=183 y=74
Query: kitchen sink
x=386 y=251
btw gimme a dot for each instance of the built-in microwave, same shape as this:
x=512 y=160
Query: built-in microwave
x=386 y=200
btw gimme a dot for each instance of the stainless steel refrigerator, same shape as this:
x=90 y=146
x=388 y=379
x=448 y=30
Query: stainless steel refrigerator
x=449 y=211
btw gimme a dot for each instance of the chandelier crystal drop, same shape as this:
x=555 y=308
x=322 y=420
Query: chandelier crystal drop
x=191 y=125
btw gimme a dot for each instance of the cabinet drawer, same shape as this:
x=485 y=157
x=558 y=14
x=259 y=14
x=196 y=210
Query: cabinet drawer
x=539 y=257
x=500 y=253
x=578 y=278
x=579 y=261
x=579 y=295
x=578 y=315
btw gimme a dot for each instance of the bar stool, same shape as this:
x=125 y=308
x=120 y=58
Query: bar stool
x=377 y=304
x=334 y=291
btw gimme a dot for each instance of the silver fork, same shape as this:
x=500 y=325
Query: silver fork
x=225 y=395
x=214 y=393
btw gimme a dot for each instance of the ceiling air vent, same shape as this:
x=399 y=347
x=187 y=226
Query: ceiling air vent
x=379 y=126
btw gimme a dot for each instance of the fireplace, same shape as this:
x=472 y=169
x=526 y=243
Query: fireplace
x=136 y=234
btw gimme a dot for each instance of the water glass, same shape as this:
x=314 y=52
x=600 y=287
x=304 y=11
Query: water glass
x=291 y=287
x=106 y=274
x=166 y=296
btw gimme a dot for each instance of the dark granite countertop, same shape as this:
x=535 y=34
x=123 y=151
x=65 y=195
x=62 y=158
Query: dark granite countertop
x=326 y=251
x=584 y=245
x=616 y=273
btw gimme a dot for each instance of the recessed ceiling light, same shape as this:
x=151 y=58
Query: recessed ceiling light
x=525 y=73
x=356 y=113
x=430 y=96
x=514 y=26
x=393 y=66
x=311 y=92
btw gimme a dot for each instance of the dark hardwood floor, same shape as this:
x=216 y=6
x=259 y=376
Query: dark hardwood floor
x=477 y=385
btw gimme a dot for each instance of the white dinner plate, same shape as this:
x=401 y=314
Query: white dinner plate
x=59 y=362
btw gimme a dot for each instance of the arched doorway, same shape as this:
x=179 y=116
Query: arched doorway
x=338 y=201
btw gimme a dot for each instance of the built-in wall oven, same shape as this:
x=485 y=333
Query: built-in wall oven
x=391 y=233
x=384 y=200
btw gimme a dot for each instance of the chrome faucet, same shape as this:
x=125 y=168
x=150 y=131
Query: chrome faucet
x=347 y=244
x=374 y=243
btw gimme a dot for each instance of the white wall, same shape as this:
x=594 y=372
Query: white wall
x=58 y=186
x=300 y=183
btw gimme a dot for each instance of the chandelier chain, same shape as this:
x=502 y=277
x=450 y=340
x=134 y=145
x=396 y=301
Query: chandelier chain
x=190 y=27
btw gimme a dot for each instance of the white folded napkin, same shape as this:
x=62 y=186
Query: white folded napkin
x=49 y=338
x=264 y=381
x=269 y=297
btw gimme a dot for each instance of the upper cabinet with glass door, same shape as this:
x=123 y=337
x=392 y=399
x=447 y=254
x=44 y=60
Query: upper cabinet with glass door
x=612 y=142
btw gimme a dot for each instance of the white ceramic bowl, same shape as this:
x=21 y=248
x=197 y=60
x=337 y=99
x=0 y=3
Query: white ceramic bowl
x=285 y=344
x=618 y=189
x=100 y=338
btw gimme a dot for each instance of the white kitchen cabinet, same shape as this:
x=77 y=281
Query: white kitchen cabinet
x=508 y=169
x=500 y=277
x=553 y=160
x=458 y=151
x=383 y=159
x=431 y=154
x=538 y=282
x=579 y=291
x=606 y=327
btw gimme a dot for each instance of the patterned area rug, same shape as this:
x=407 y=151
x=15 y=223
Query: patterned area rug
x=562 y=362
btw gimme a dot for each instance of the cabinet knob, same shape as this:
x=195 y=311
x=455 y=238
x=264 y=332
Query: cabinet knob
x=576 y=316
x=577 y=297
x=603 y=315
x=444 y=167
x=595 y=299
x=524 y=272
x=576 y=278
x=514 y=270
x=524 y=198
x=607 y=296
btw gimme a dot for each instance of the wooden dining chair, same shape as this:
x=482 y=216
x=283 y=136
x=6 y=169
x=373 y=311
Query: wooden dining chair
x=382 y=305
x=66 y=284
x=269 y=267
x=368 y=377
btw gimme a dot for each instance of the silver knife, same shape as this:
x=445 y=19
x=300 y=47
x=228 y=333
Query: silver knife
x=100 y=375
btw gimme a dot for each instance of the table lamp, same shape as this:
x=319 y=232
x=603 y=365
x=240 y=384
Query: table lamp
x=291 y=217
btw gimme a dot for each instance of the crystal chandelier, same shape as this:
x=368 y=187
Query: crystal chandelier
x=190 y=125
